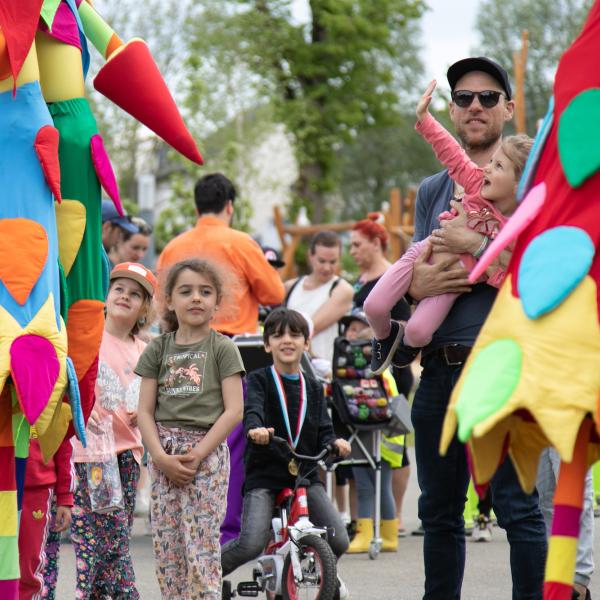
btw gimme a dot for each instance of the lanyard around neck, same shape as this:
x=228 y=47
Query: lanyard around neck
x=284 y=407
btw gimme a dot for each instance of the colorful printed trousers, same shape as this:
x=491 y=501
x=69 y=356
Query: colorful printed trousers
x=101 y=541
x=186 y=520
x=50 y=571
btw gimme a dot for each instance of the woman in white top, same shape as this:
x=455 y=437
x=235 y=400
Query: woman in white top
x=322 y=295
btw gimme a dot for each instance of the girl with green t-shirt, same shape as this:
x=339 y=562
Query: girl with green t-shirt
x=190 y=399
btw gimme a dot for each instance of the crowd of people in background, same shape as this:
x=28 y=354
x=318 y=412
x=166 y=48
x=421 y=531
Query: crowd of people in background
x=180 y=394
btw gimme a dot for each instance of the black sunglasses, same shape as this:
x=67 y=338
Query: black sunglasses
x=487 y=98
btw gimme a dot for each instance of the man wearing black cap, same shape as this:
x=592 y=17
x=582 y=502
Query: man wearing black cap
x=481 y=105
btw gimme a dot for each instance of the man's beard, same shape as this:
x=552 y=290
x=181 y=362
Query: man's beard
x=487 y=142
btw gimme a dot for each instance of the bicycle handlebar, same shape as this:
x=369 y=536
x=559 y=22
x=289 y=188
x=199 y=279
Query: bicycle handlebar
x=329 y=449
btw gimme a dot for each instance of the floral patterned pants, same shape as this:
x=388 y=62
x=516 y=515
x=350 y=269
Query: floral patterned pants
x=101 y=541
x=186 y=521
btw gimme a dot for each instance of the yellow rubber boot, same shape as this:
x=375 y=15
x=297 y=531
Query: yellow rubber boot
x=363 y=537
x=389 y=535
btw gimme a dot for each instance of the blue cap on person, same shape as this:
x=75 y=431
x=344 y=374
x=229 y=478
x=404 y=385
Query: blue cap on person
x=109 y=213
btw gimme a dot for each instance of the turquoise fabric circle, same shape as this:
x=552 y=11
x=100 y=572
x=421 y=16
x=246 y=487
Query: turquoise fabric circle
x=552 y=266
x=75 y=402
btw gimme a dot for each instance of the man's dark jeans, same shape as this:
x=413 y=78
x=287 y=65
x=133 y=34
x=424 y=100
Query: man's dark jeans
x=444 y=481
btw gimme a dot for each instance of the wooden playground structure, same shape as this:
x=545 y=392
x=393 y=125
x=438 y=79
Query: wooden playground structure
x=398 y=220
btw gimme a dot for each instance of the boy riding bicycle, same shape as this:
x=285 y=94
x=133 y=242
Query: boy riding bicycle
x=284 y=402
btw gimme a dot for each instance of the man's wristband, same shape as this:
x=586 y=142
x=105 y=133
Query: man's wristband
x=482 y=247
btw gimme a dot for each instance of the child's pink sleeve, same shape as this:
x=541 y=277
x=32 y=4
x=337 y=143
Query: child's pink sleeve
x=392 y=286
x=449 y=152
x=63 y=466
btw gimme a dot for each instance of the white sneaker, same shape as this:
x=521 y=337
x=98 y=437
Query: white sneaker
x=482 y=531
x=344 y=594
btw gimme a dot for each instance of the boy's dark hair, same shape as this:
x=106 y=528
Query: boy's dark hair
x=283 y=318
x=212 y=192
x=329 y=239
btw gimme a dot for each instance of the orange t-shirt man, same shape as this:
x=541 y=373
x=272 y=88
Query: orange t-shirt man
x=249 y=279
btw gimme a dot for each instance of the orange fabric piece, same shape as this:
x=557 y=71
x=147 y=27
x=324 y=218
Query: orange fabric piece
x=85 y=324
x=252 y=280
x=571 y=479
x=4 y=64
x=114 y=43
x=23 y=254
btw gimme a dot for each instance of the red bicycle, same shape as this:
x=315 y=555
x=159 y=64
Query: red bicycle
x=298 y=563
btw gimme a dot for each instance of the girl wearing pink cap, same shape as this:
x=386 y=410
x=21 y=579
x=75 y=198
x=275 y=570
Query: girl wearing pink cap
x=101 y=541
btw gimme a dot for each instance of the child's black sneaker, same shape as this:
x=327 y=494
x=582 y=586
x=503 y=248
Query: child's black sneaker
x=383 y=350
x=404 y=355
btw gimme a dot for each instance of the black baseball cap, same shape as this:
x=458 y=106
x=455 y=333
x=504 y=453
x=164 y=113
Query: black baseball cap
x=479 y=63
x=273 y=257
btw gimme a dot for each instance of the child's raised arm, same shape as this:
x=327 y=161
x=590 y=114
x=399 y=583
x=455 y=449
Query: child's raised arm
x=448 y=151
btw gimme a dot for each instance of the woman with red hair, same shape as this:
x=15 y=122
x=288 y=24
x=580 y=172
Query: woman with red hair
x=368 y=247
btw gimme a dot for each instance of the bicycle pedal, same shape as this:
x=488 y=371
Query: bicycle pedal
x=248 y=589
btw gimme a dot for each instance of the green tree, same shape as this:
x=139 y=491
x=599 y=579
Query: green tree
x=328 y=79
x=552 y=26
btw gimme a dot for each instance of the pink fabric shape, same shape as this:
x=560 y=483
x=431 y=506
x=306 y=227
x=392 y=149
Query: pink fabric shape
x=105 y=171
x=34 y=368
x=9 y=589
x=523 y=216
x=64 y=27
x=566 y=520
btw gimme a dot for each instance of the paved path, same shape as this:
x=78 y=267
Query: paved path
x=390 y=577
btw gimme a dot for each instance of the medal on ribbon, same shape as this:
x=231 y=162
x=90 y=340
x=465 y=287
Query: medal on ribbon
x=293 y=466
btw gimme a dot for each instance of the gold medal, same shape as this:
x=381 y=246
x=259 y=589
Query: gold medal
x=293 y=467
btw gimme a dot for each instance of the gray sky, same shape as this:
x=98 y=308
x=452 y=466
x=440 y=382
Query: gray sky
x=448 y=35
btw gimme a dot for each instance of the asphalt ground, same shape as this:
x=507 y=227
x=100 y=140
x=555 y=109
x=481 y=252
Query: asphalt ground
x=392 y=576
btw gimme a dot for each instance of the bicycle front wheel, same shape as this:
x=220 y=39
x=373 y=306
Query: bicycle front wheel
x=319 y=572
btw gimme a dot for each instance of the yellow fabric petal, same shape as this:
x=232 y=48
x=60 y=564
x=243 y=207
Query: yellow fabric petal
x=70 y=223
x=559 y=384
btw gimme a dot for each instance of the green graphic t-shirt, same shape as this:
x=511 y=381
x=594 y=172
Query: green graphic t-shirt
x=189 y=378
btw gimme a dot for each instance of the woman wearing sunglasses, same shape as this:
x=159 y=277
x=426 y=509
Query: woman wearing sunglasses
x=489 y=199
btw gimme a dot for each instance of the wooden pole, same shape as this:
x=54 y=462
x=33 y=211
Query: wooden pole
x=519 y=63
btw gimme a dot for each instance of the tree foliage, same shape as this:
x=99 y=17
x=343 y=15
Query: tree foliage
x=552 y=26
x=328 y=79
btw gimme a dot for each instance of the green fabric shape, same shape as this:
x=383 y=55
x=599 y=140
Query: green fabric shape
x=20 y=428
x=64 y=293
x=578 y=135
x=9 y=557
x=490 y=382
x=76 y=125
x=48 y=12
x=95 y=28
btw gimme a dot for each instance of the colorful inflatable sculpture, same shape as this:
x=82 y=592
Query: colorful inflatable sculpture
x=52 y=264
x=533 y=377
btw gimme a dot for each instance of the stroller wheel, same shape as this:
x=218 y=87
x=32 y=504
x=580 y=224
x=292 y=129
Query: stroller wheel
x=373 y=550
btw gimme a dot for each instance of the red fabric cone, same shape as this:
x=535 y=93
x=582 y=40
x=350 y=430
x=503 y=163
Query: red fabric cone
x=132 y=81
x=18 y=21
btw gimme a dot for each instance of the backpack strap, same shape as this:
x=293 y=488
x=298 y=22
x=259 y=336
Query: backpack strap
x=292 y=288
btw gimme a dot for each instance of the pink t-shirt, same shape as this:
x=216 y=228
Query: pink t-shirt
x=117 y=393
